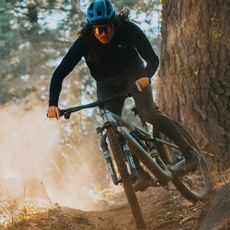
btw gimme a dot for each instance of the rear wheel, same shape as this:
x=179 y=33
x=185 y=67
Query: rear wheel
x=196 y=185
x=118 y=155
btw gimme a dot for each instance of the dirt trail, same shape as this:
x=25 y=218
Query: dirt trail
x=161 y=209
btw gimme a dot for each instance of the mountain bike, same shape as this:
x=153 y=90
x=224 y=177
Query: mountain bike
x=121 y=140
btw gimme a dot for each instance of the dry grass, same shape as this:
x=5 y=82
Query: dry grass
x=220 y=174
x=19 y=212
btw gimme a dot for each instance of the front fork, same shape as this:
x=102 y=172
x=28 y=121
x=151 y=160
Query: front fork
x=108 y=158
x=129 y=158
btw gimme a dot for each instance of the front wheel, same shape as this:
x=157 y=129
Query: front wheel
x=195 y=186
x=118 y=155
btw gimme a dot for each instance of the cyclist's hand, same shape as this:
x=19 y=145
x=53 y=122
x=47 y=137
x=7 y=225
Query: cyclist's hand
x=142 y=83
x=53 y=112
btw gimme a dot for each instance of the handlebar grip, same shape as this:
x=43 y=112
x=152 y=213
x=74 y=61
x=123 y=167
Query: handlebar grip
x=67 y=115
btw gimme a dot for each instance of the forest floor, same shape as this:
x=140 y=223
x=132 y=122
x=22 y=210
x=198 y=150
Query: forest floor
x=161 y=210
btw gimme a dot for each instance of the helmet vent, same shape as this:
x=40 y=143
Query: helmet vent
x=99 y=12
x=107 y=4
x=108 y=12
x=91 y=6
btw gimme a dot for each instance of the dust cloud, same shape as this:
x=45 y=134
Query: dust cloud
x=35 y=164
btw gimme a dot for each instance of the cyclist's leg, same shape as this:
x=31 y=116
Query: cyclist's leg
x=149 y=112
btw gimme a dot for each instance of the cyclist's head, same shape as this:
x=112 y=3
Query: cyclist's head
x=101 y=16
x=100 y=12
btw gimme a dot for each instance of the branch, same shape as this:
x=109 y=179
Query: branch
x=16 y=11
x=45 y=8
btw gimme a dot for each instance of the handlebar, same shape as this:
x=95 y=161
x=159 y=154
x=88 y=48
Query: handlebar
x=100 y=103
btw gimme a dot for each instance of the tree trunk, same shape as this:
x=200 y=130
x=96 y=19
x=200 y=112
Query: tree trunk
x=194 y=82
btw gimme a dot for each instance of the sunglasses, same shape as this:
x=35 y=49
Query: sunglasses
x=106 y=28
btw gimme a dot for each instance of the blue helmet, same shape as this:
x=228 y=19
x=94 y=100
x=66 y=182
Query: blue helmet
x=100 y=11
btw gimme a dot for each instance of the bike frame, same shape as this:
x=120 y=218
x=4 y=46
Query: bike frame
x=148 y=149
x=149 y=159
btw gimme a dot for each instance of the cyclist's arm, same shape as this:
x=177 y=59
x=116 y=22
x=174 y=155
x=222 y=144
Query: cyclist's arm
x=67 y=64
x=144 y=48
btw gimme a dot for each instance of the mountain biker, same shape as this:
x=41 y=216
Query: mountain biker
x=114 y=49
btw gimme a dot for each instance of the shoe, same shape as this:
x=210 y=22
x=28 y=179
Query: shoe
x=143 y=181
x=189 y=164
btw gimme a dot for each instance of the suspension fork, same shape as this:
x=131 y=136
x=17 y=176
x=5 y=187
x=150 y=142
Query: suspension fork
x=107 y=156
x=129 y=157
x=127 y=153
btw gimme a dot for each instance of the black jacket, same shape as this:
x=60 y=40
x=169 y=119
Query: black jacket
x=128 y=45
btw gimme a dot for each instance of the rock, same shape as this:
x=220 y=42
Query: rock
x=216 y=214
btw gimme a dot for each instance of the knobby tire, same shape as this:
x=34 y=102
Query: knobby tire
x=118 y=155
x=178 y=181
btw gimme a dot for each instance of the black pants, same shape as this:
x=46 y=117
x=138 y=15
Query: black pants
x=145 y=105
